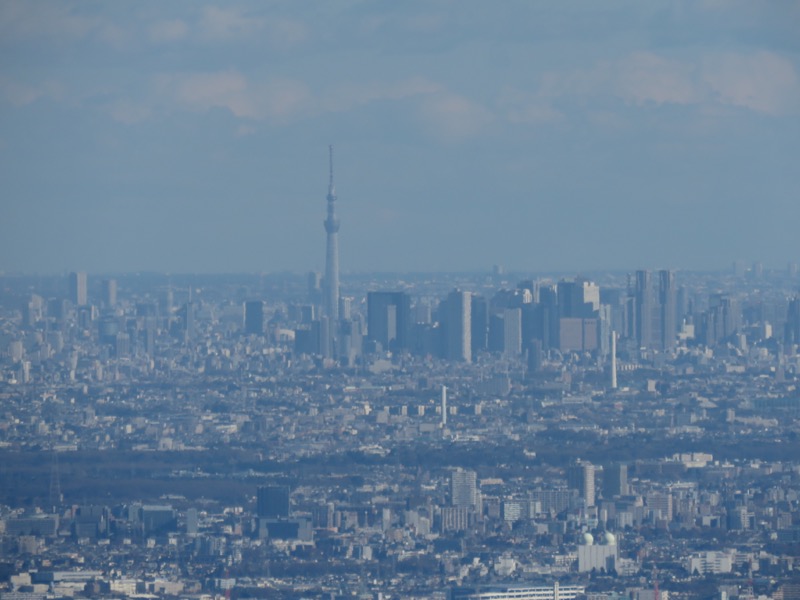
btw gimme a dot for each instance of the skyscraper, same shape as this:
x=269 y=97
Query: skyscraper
x=792 y=327
x=458 y=330
x=667 y=297
x=615 y=481
x=389 y=319
x=579 y=298
x=464 y=488
x=655 y=309
x=580 y=476
x=110 y=293
x=512 y=332
x=77 y=288
x=643 y=294
x=331 y=292
x=479 y=316
x=254 y=317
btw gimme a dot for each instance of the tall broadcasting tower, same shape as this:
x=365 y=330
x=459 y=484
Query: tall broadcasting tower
x=331 y=300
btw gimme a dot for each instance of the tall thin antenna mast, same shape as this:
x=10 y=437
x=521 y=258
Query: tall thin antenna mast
x=330 y=159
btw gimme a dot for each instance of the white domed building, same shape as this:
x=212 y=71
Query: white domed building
x=600 y=557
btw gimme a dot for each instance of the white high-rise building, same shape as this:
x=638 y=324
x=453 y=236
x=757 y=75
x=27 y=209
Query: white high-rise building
x=458 y=326
x=464 y=488
x=78 y=294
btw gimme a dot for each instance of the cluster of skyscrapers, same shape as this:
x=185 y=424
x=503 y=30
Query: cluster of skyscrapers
x=536 y=317
x=568 y=316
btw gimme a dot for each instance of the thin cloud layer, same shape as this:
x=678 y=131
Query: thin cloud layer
x=760 y=81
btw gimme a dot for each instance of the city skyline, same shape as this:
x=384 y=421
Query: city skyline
x=191 y=138
x=555 y=353
x=520 y=435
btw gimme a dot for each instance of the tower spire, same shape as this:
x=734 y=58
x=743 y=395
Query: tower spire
x=331 y=299
x=331 y=189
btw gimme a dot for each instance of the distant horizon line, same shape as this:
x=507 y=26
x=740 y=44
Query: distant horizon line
x=471 y=272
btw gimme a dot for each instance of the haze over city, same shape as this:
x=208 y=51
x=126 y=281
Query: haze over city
x=441 y=300
x=193 y=137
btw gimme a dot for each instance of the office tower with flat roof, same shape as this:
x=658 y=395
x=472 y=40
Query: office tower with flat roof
x=512 y=332
x=546 y=320
x=578 y=299
x=615 y=481
x=110 y=293
x=464 y=488
x=655 y=307
x=458 y=326
x=479 y=324
x=722 y=319
x=578 y=314
x=496 y=336
x=78 y=294
x=580 y=476
x=668 y=310
x=644 y=304
x=792 y=326
x=389 y=319
x=254 y=317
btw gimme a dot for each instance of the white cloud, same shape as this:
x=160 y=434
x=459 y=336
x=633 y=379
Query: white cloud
x=423 y=23
x=644 y=78
x=55 y=22
x=285 y=33
x=129 y=113
x=763 y=82
x=275 y=100
x=21 y=94
x=282 y=100
x=445 y=114
x=453 y=117
x=204 y=91
x=228 y=23
x=167 y=31
x=348 y=96
x=20 y=20
x=520 y=107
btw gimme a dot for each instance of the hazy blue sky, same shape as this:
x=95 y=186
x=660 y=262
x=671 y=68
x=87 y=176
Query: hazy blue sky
x=192 y=136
